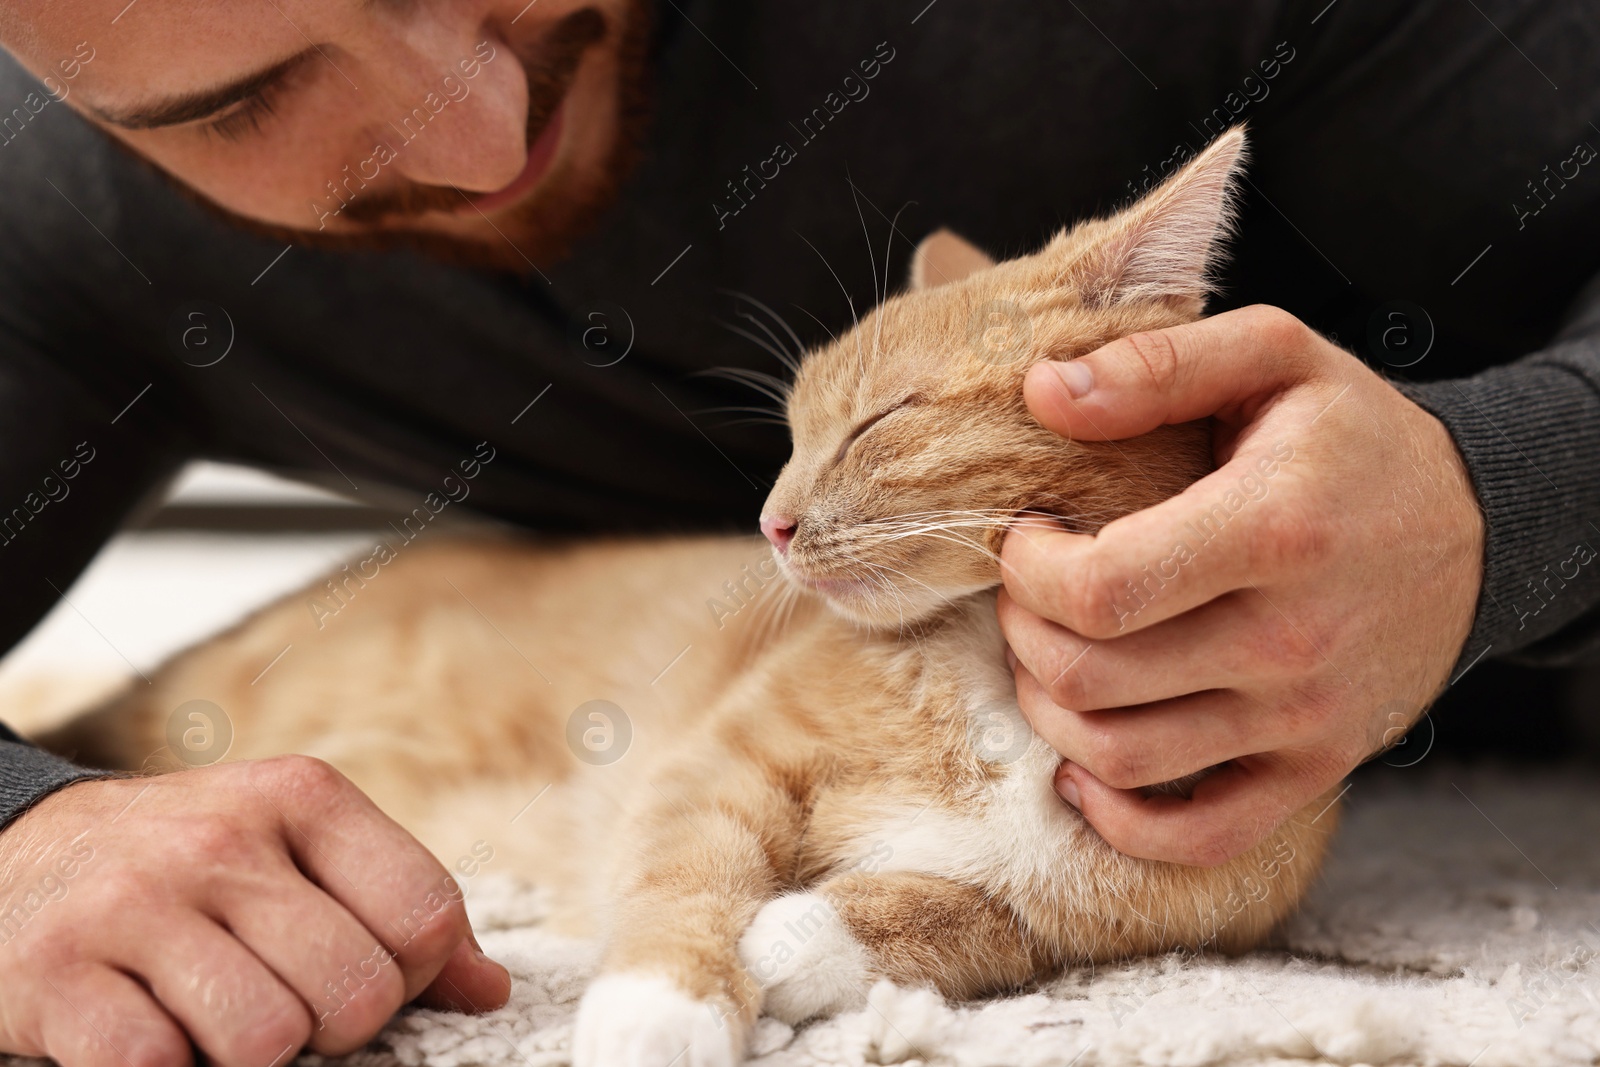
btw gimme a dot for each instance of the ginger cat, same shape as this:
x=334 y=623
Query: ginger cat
x=799 y=787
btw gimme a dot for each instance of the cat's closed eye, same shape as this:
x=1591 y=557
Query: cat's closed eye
x=869 y=423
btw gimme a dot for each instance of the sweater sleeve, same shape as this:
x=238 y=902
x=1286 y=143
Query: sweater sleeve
x=28 y=775
x=72 y=469
x=1529 y=432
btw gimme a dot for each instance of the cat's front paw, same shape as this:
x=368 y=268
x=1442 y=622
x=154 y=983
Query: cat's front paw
x=641 y=1020
x=806 y=959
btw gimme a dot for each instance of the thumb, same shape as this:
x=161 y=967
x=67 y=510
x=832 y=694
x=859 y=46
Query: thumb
x=1131 y=386
x=468 y=982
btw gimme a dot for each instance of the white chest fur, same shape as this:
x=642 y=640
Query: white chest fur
x=1015 y=831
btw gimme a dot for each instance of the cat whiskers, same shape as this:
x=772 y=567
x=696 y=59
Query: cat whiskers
x=766 y=384
x=855 y=317
x=773 y=345
x=777 y=613
x=881 y=573
x=880 y=293
x=770 y=386
x=876 y=576
x=940 y=526
x=825 y=329
x=949 y=526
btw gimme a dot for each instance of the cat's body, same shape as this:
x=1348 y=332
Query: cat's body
x=920 y=824
x=803 y=793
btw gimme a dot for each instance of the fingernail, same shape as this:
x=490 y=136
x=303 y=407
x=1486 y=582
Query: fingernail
x=1066 y=788
x=1011 y=658
x=1076 y=376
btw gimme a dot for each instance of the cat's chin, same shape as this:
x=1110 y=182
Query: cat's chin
x=842 y=588
x=871 y=605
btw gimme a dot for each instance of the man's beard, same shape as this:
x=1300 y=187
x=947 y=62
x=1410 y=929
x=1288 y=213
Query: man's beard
x=543 y=228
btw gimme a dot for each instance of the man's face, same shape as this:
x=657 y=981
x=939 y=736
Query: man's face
x=490 y=130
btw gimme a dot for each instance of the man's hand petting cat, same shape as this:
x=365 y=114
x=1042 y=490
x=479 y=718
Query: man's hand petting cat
x=1286 y=617
x=251 y=908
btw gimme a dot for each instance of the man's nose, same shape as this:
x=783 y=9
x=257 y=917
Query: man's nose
x=779 y=530
x=470 y=133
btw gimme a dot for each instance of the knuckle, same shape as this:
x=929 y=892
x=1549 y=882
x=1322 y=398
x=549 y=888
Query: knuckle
x=362 y=998
x=1277 y=328
x=1070 y=685
x=147 y=1046
x=431 y=924
x=279 y=1023
x=1072 y=602
x=304 y=776
x=388 y=994
x=84 y=1046
x=1088 y=604
x=1067 y=692
x=1115 y=763
x=1156 y=358
x=1101 y=621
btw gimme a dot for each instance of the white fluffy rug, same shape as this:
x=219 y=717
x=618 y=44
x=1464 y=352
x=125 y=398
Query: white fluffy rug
x=1458 y=924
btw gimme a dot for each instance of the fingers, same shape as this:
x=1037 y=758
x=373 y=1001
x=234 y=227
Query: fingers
x=1199 y=650
x=337 y=967
x=469 y=982
x=1172 y=700
x=1133 y=385
x=335 y=833
x=1230 y=811
x=1216 y=536
x=90 y=1015
x=237 y=1011
x=1236 y=641
x=1130 y=748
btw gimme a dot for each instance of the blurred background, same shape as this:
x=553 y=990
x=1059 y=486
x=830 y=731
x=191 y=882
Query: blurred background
x=226 y=541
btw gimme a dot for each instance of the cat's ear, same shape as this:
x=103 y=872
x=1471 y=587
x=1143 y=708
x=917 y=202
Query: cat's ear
x=942 y=257
x=1166 y=245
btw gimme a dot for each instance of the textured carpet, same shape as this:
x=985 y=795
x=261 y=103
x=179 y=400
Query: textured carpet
x=1458 y=923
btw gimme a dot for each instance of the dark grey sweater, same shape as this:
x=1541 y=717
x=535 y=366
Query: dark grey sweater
x=1426 y=159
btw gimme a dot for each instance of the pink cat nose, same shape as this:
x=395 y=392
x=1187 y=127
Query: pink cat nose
x=779 y=530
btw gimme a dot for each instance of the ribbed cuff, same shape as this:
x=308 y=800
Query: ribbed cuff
x=1530 y=435
x=28 y=775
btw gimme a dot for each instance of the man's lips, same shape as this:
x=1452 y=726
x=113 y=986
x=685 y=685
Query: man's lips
x=540 y=155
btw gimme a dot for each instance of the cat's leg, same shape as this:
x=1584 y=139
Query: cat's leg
x=818 y=952
x=719 y=841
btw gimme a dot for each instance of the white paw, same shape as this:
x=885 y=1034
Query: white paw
x=640 y=1020
x=806 y=959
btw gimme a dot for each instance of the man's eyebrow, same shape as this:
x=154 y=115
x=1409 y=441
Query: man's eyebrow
x=175 y=111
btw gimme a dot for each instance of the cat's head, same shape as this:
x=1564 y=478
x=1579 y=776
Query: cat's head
x=913 y=448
